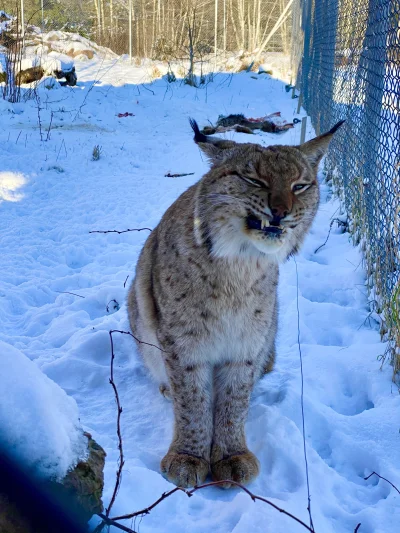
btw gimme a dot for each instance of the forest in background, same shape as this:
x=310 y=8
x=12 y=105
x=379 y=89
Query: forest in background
x=160 y=29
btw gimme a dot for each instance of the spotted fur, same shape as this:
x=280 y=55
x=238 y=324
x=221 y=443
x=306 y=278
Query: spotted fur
x=205 y=292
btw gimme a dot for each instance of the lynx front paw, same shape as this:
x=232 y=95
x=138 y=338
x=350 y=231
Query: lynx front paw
x=240 y=468
x=184 y=470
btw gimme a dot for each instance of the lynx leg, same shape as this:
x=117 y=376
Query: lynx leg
x=268 y=364
x=187 y=462
x=268 y=353
x=230 y=457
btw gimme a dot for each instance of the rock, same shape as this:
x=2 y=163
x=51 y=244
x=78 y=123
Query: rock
x=89 y=54
x=32 y=74
x=79 y=494
x=29 y=75
x=70 y=76
x=11 y=520
x=86 y=481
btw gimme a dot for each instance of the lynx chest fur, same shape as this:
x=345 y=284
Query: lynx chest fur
x=205 y=294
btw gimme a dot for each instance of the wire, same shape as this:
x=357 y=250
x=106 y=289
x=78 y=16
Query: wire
x=302 y=397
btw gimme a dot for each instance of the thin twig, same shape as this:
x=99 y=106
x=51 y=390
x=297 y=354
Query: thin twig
x=49 y=130
x=91 y=87
x=37 y=97
x=302 y=400
x=368 y=317
x=110 y=522
x=178 y=175
x=384 y=479
x=357 y=527
x=190 y=493
x=340 y=222
x=108 y=305
x=119 y=232
x=73 y=293
x=147 y=89
x=133 y=337
x=58 y=155
x=147 y=510
x=126 y=280
x=121 y=460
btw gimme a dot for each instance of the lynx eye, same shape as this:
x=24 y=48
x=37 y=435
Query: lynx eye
x=256 y=183
x=300 y=187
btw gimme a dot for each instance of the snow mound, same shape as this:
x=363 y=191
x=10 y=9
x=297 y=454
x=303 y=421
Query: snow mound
x=49 y=62
x=39 y=422
x=68 y=44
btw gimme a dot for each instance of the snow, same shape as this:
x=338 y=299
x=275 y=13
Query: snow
x=59 y=194
x=39 y=422
x=72 y=43
x=10 y=183
x=5 y=22
x=48 y=61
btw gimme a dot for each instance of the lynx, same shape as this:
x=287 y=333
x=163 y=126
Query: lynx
x=205 y=294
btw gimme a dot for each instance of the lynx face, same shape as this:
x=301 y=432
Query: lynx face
x=257 y=200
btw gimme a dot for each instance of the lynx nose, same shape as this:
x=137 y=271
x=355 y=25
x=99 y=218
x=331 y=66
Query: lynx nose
x=279 y=212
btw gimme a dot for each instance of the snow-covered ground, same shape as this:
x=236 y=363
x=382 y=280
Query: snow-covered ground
x=62 y=289
x=39 y=422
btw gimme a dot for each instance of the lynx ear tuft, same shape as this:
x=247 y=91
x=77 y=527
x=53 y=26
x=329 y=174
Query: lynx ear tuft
x=335 y=127
x=315 y=149
x=215 y=149
x=198 y=136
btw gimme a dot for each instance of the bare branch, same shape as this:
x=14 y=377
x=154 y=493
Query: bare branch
x=340 y=223
x=384 y=479
x=110 y=522
x=133 y=337
x=121 y=460
x=190 y=493
x=178 y=175
x=357 y=527
x=147 y=510
x=73 y=293
x=115 y=306
x=120 y=232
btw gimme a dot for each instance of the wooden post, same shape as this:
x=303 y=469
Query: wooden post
x=299 y=103
x=303 y=130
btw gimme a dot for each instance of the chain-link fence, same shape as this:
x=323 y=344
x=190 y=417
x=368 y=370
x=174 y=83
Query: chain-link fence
x=159 y=28
x=350 y=69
